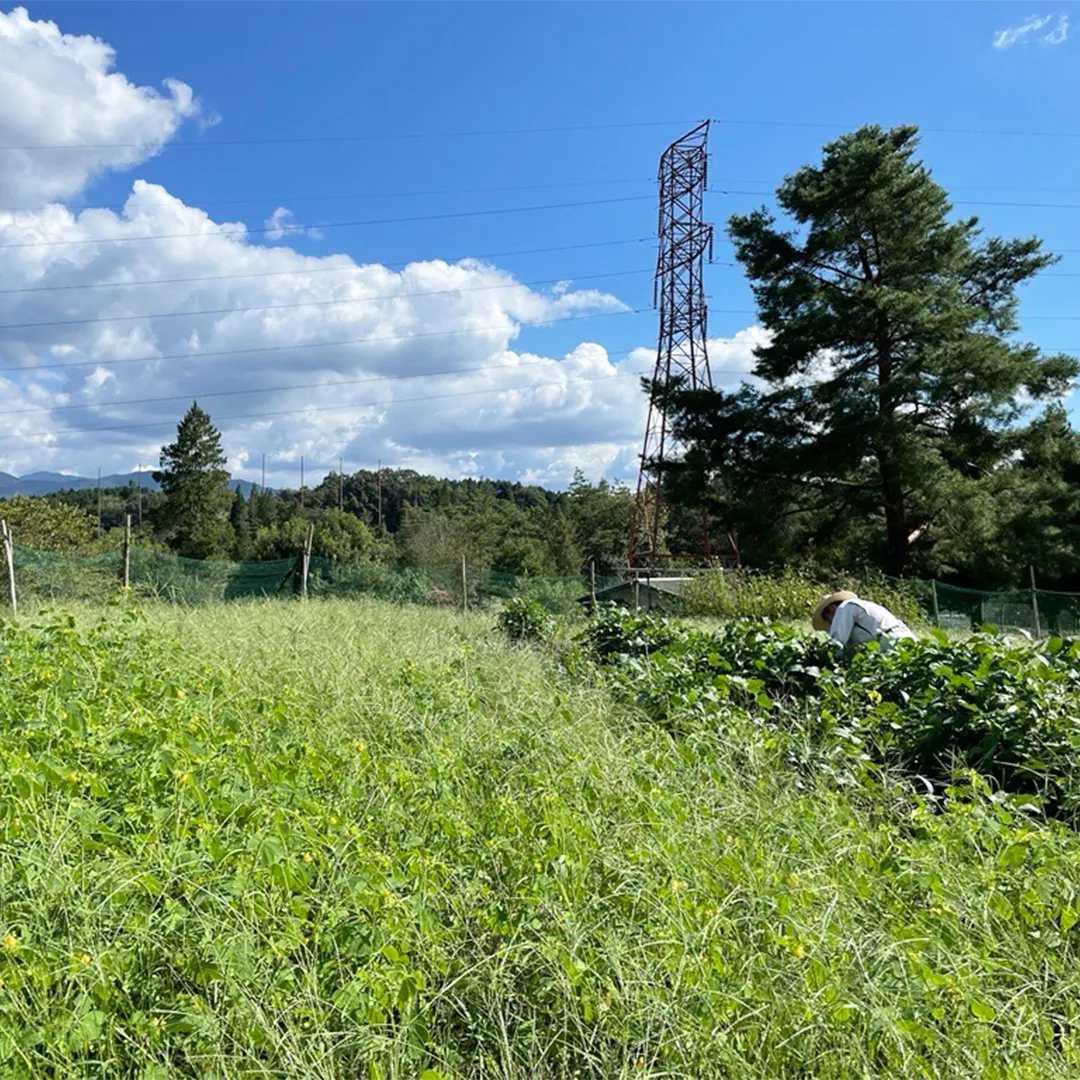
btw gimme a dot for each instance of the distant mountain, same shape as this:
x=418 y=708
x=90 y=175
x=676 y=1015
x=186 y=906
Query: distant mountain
x=45 y=483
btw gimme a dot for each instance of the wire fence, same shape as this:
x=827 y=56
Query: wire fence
x=49 y=576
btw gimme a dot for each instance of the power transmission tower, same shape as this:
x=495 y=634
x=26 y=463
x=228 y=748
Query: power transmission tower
x=682 y=359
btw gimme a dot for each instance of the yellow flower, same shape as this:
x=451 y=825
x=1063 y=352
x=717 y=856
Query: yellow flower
x=179 y=693
x=183 y=778
x=793 y=879
x=677 y=885
x=308 y=857
x=11 y=942
x=799 y=952
x=333 y=820
x=85 y=958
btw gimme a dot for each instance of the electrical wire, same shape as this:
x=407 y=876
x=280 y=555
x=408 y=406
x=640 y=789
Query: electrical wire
x=374 y=137
x=331 y=385
x=351 y=268
x=291 y=228
x=314 y=303
x=279 y=200
x=387 y=339
x=329 y=408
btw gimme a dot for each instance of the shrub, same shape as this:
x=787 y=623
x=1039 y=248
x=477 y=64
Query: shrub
x=525 y=620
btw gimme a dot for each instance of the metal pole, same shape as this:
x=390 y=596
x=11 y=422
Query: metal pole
x=9 y=555
x=127 y=551
x=380 y=494
x=99 y=501
x=464 y=586
x=341 y=484
x=1035 y=602
x=301 y=479
x=139 y=475
x=937 y=612
x=306 y=562
x=264 y=473
x=592 y=582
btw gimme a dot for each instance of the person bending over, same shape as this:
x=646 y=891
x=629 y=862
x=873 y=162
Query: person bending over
x=852 y=622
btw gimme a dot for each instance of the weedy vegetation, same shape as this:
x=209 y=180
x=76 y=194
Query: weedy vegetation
x=340 y=840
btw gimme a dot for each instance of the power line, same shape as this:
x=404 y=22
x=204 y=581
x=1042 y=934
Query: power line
x=280 y=200
x=387 y=339
x=314 y=303
x=994 y=132
x=286 y=229
x=954 y=202
x=333 y=384
x=282 y=140
x=374 y=137
x=351 y=268
x=331 y=408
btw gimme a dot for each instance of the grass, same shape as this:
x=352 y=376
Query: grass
x=346 y=840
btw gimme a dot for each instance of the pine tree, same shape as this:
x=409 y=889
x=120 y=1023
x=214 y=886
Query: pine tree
x=194 y=517
x=892 y=382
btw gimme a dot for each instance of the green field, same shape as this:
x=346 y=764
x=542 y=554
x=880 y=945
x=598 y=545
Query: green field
x=351 y=840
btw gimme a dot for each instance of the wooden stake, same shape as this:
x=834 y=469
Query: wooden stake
x=127 y=552
x=9 y=555
x=592 y=583
x=1035 y=602
x=937 y=613
x=305 y=561
x=464 y=587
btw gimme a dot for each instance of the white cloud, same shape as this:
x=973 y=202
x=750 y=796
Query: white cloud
x=1060 y=32
x=281 y=224
x=1029 y=30
x=59 y=90
x=412 y=365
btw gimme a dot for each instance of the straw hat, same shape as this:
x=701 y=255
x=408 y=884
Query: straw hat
x=818 y=621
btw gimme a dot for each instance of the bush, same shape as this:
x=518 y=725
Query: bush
x=525 y=620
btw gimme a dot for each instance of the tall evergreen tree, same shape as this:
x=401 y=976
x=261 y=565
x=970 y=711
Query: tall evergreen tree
x=194 y=517
x=892 y=380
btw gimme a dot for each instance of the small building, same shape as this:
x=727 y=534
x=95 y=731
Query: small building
x=641 y=594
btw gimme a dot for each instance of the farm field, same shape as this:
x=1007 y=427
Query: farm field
x=342 y=840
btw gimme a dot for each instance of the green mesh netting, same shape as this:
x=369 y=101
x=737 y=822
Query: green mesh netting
x=53 y=576
x=56 y=576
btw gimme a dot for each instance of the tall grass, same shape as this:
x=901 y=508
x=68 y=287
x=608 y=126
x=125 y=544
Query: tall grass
x=788 y=595
x=350 y=840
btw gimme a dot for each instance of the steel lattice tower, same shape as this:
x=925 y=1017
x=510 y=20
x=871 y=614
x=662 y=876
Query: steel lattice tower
x=681 y=355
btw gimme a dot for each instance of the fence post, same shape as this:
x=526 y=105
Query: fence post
x=126 y=571
x=464 y=586
x=592 y=583
x=937 y=611
x=1035 y=602
x=305 y=561
x=9 y=554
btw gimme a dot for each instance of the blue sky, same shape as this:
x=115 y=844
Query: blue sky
x=780 y=78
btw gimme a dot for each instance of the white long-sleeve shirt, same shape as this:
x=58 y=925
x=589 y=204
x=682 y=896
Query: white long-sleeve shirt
x=858 y=621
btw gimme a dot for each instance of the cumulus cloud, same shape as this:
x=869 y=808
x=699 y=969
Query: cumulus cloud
x=416 y=364
x=67 y=116
x=1031 y=30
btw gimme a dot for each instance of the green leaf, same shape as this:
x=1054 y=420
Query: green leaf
x=981 y=1010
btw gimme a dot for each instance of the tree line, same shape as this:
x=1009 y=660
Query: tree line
x=396 y=516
